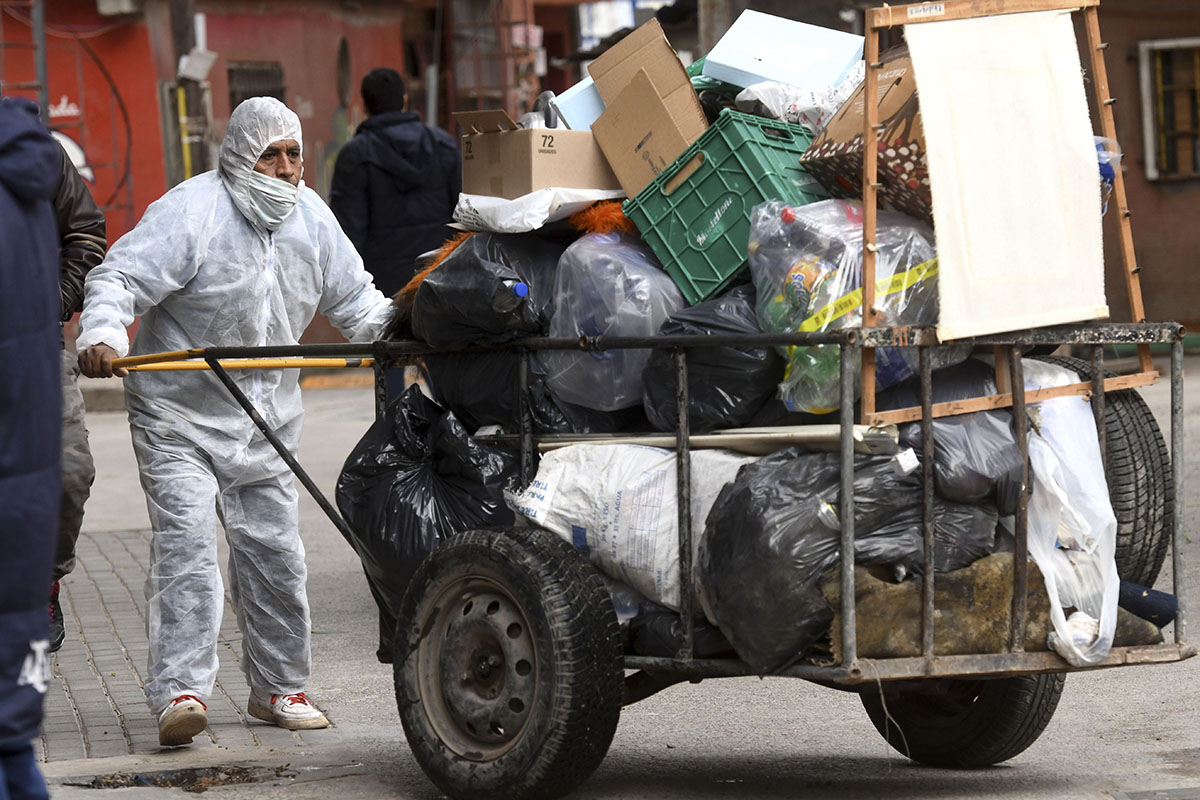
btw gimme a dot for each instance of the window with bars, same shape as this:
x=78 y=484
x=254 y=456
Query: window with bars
x=254 y=79
x=1170 y=77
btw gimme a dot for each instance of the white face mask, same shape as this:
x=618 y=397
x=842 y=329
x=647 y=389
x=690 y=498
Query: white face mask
x=271 y=199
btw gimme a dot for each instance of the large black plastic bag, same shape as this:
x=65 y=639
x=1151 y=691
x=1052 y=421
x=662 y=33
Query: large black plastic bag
x=481 y=389
x=776 y=528
x=964 y=534
x=413 y=480
x=976 y=459
x=727 y=386
x=494 y=287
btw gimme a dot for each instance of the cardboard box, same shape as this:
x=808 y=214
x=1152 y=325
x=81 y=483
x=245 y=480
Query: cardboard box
x=761 y=47
x=652 y=113
x=502 y=160
x=835 y=157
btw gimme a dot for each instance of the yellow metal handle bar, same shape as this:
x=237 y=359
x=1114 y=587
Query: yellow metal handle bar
x=159 y=362
x=154 y=358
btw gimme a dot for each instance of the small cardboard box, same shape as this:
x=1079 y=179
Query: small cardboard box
x=652 y=113
x=502 y=160
x=835 y=157
x=761 y=47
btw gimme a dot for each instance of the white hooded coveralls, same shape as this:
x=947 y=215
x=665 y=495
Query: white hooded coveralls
x=200 y=273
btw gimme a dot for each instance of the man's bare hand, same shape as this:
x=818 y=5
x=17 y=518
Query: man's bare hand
x=96 y=362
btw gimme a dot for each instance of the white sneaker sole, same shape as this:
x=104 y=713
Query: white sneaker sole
x=290 y=723
x=179 y=726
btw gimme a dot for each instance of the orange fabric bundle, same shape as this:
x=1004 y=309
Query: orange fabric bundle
x=605 y=216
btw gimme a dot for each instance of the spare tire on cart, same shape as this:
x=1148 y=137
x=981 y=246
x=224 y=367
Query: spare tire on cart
x=508 y=666
x=1141 y=483
x=963 y=722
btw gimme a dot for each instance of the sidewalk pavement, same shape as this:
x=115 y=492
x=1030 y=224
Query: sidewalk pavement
x=97 y=708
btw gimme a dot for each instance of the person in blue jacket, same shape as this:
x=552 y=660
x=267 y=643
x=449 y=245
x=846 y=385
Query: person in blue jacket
x=395 y=184
x=29 y=447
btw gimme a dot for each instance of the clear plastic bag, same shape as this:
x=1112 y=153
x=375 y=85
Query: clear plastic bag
x=1072 y=528
x=807 y=268
x=607 y=285
x=812 y=108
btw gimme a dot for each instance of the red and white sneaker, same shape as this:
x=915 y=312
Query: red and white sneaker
x=292 y=711
x=182 y=719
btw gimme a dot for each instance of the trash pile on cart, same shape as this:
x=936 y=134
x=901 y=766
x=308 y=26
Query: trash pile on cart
x=719 y=199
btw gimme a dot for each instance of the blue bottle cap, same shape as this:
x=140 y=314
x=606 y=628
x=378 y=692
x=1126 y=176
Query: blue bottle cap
x=520 y=289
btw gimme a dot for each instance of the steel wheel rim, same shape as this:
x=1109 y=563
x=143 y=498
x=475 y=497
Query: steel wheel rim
x=477 y=667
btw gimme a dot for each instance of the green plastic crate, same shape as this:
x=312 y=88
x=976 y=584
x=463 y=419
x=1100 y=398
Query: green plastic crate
x=699 y=225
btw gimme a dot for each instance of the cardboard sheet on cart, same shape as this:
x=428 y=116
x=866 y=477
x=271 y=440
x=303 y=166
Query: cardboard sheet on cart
x=1016 y=195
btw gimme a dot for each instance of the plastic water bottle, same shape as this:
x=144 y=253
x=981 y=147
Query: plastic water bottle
x=509 y=296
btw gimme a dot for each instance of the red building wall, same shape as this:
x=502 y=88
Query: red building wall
x=103 y=97
x=305 y=40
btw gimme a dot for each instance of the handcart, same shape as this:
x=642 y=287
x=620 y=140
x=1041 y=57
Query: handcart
x=509 y=670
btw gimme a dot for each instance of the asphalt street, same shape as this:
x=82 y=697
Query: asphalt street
x=1132 y=732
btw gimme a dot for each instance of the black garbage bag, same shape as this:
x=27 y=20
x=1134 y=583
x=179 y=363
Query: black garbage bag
x=976 y=459
x=776 y=528
x=660 y=633
x=494 y=287
x=963 y=533
x=481 y=389
x=727 y=386
x=413 y=480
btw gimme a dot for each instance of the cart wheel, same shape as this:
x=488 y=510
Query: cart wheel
x=965 y=723
x=509 y=676
x=1141 y=483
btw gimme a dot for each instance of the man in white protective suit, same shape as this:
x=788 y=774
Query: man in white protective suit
x=241 y=256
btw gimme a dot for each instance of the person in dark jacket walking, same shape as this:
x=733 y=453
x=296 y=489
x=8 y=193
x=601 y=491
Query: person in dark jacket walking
x=81 y=246
x=395 y=183
x=29 y=448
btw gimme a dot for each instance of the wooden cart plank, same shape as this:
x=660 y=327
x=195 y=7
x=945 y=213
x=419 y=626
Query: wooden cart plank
x=1005 y=400
x=914 y=13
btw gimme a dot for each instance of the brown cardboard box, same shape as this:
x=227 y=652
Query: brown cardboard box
x=502 y=160
x=652 y=113
x=835 y=157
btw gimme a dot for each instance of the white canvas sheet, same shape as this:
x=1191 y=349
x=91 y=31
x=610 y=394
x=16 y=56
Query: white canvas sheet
x=1016 y=195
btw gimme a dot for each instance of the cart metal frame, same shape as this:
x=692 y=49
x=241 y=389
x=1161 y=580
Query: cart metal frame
x=852 y=671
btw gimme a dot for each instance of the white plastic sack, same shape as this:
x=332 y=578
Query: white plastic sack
x=478 y=212
x=617 y=505
x=812 y=108
x=1072 y=528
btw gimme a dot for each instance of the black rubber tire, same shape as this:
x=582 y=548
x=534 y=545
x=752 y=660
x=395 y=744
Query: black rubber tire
x=971 y=723
x=1141 y=483
x=529 y=626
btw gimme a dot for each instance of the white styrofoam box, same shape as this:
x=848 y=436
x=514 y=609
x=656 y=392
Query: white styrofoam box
x=580 y=105
x=761 y=47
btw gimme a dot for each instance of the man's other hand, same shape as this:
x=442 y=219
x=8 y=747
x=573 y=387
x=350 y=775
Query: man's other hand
x=96 y=362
